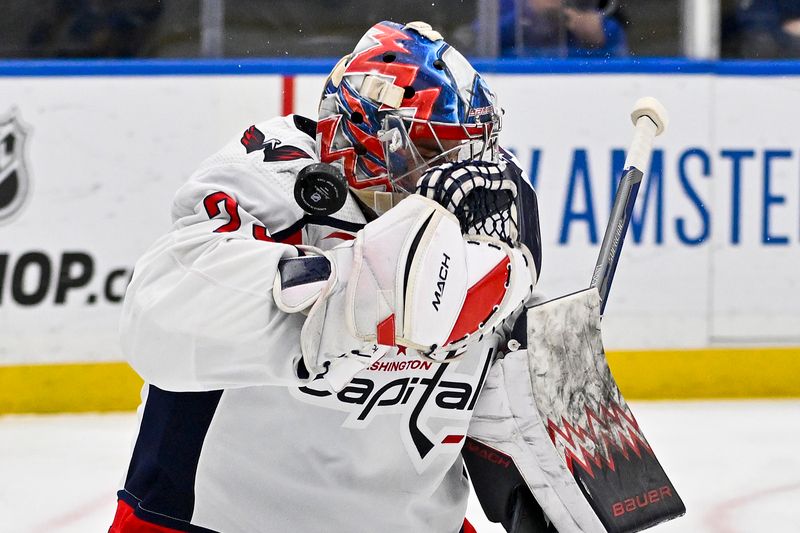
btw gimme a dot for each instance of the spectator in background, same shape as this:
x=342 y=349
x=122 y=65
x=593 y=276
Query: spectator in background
x=765 y=29
x=95 y=28
x=561 y=28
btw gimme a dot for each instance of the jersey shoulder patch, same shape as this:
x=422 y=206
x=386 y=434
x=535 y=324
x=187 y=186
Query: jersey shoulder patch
x=254 y=139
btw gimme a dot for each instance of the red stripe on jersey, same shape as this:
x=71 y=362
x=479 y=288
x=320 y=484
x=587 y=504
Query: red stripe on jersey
x=294 y=238
x=468 y=528
x=127 y=522
x=385 y=331
x=452 y=439
x=341 y=235
x=480 y=300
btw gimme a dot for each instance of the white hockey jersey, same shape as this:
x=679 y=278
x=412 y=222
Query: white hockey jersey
x=233 y=436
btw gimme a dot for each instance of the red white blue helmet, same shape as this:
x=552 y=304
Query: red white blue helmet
x=403 y=86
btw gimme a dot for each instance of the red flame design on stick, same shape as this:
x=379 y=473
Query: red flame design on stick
x=613 y=428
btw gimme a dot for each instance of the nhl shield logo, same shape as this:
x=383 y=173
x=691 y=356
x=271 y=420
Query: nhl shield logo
x=14 y=182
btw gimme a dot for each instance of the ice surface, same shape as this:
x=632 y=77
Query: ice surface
x=736 y=465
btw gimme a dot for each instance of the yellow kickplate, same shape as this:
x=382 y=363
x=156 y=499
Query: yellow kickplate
x=707 y=373
x=70 y=388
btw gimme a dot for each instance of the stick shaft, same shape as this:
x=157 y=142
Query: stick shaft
x=635 y=164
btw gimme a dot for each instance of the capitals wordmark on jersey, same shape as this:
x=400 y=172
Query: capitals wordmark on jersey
x=432 y=401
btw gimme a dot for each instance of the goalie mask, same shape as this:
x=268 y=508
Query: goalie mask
x=402 y=102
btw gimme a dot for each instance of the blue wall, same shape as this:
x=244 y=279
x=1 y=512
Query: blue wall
x=155 y=67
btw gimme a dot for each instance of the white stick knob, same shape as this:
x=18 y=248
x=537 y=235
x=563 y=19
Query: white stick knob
x=649 y=119
x=653 y=109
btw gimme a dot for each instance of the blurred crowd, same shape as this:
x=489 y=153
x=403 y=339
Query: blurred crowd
x=762 y=29
x=562 y=28
x=92 y=28
x=262 y=28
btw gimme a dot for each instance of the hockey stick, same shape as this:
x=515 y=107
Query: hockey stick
x=575 y=393
x=580 y=450
x=650 y=120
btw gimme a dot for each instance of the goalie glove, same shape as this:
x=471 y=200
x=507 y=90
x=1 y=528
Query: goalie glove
x=408 y=279
x=478 y=193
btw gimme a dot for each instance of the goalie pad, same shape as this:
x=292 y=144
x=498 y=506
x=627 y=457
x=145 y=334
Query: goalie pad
x=557 y=414
x=506 y=423
x=410 y=279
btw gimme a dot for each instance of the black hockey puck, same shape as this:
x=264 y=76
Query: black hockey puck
x=320 y=189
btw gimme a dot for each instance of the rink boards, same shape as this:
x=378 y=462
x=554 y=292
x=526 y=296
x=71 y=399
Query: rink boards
x=706 y=301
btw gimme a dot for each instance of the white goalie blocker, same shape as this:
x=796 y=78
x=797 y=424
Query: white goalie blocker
x=408 y=279
x=555 y=411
